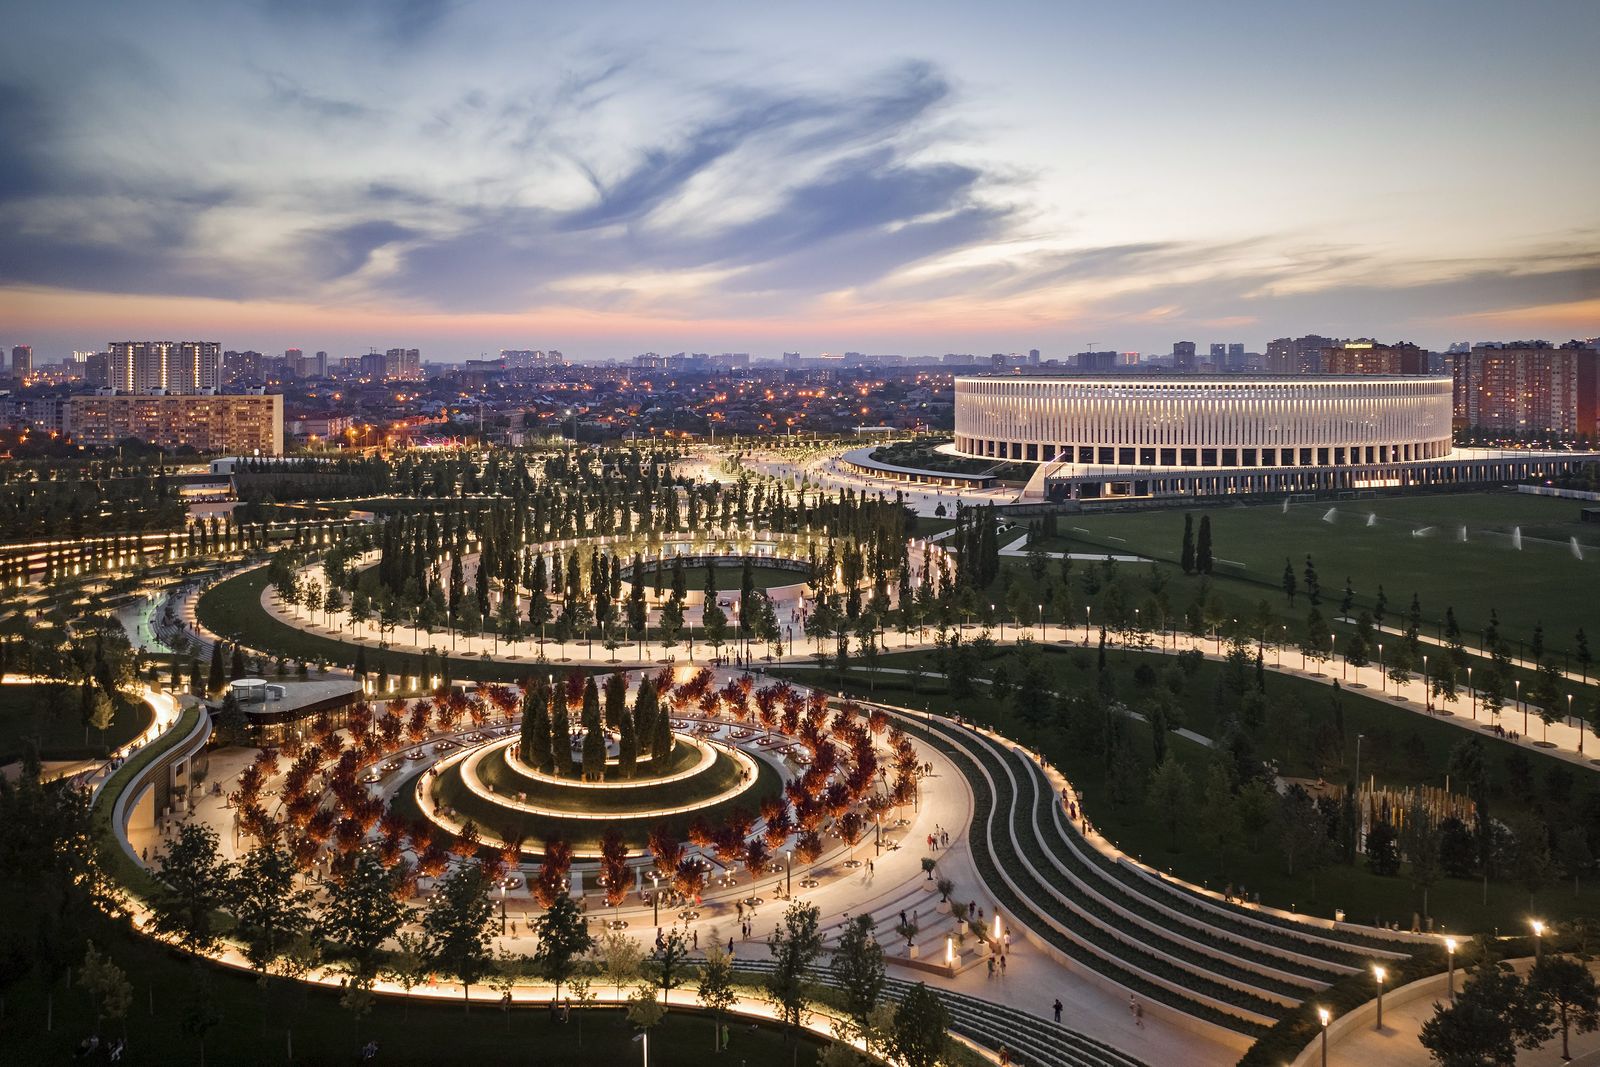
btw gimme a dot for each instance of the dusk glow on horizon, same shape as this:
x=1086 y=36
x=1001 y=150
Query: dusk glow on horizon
x=616 y=178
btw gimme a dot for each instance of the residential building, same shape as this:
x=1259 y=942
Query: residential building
x=182 y=368
x=245 y=424
x=21 y=361
x=1366 y=356
x=1183 y=355
x=1529 y=388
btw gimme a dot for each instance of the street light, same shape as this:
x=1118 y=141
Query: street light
x=1325 y=1015
x=1450 y=975
x=1472 y=695
x=1538 y=940
x=1427 y=691
x=1379 y=974
x=1523 y=706
x=1383 y=673
x=788 y=873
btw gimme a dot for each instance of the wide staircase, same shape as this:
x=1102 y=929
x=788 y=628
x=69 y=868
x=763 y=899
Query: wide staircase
x=1033 y=1041
x=1234 y=967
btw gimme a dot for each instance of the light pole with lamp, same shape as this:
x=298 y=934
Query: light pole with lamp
x=1427 y=690
x=1523 y=706
x=1001 y=619
x=1383 y=673
x=1041 y=624
x=1472 y=695
x=1538 y=941
x=655 y=896
x=1325 y=1016
x=788 y=874
x=1086 y=611
x=1379 y=974
x=1450 y=975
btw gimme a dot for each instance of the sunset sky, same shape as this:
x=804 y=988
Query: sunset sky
x=610 y=178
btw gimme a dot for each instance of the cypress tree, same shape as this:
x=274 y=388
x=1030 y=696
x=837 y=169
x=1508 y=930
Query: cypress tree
x=236 y=664
x=1202 y=555
x=661 y=745
x=616 y=699
x=560 y=732
x=594 y=738
x=627 y=745
x=218 y=673
x=536 y=726
x=645 y=709
x=1186 y=557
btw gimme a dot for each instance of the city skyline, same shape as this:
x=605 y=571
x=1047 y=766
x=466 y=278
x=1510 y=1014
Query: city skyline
x=464 y=178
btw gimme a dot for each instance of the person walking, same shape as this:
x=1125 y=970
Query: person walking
x=1057 y=1007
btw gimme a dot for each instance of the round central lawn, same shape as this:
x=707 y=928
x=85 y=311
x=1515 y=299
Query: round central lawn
x=730 y=577
x=723 y=773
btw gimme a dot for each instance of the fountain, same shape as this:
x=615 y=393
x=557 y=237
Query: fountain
x=1286 y=505
x=1462 y=536
x=1424 y=532
x=1577 y=552
x=1516 y=538
x=1372 y=518
x=1328 y=516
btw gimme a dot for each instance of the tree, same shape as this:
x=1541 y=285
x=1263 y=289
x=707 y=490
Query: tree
x=362 y=912
x=1202 y=552
x=1575 y=857
x=594 y=738
x=192 y=883
x=1567 y=988
x=920 y=1037
x=268 y=910
x=715 y=621
x=1419 y=841
x=1288 y=580
x=563 y=939
x=1531 y=855
x=1219 y=815
x=108 y=986
x=457 y=925
x=795 y=946
x=668 y=962
x=620 y=957
x=1493 y=1015
x=1170 y=796
x=644 y=1010
x=716 y=986
x=858 y=972
x=1186 y=554
x=1383 y=855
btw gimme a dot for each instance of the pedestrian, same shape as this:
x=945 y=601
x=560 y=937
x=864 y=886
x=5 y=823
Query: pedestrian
x=991 y=966
x=1005 y=1057
x=1002 y=966
x=1057 y=1007
x=902 y=916
x=1138 y=1016
x=724 y=1037
x=697 y=939
x=1133 y=1008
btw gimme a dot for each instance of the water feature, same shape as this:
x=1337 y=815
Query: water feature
x=1372 y=518
x=1516 y=538
x=1462 y=535
x=1330 y=514
x=1577 y=552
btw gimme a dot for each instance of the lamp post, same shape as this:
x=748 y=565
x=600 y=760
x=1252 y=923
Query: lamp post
x=1569 y=723
x=1472 y=695
x=1001 y=620
x=1538 y=940
x=788 y=873
x=1041 y=623
x=1359 y=739
x=1383 y=673
x=1450 y=974
x=1086 y=611
x=1379 y=974
x=655 y=896
x=1523 y=706
x=1427 y=690
x=1325 y=1016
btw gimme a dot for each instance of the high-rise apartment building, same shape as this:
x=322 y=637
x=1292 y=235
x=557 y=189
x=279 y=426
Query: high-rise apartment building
x=1366 y=356
x=243 y=424
x=403 y=363
x=1219 y=355
x=182 y=368
x=1183 y=355
x=21 y=361
x=97 y=370
x=1297 y=355
x=1529 y=388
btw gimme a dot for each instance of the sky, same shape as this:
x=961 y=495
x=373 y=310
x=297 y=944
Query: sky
x=612 y=178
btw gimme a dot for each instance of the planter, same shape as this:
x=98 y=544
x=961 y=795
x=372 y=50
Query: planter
x=928 y=887
x=911 y=951
x=943 y=907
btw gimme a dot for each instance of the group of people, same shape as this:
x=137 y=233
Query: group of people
x=940 y=838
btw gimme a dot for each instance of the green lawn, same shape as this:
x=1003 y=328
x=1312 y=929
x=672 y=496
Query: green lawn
x=1399 y=748
x=730 y=577
x=1412 y=547
x=47 y=716
x=233 y=609
x=257 y=1027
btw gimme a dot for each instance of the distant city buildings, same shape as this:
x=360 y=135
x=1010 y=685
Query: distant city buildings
x=21 y=362
x=1366 y=356
x=1183 y=355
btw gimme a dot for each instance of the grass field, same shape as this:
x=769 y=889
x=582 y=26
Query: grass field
x=233 y=609
x=1399 y=748
x=47 y=717
x=1412 y=546
x=257 y=1026
x=729 y=577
